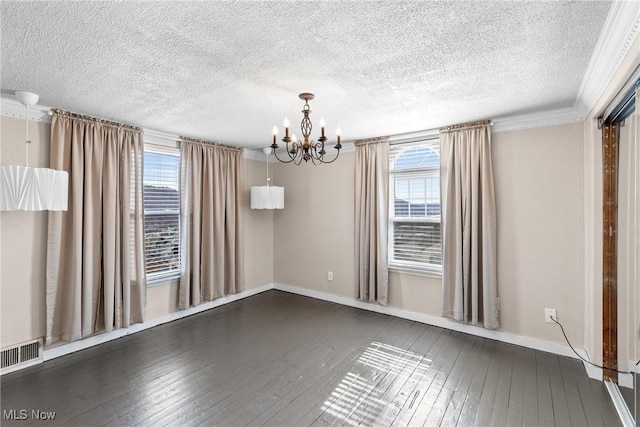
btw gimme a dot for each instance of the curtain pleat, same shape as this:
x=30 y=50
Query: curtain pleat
x=211 y=222
x=371 y=218
x=95 y=260
x=469 y=283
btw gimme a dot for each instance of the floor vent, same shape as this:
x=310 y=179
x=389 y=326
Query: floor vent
x=20 y=356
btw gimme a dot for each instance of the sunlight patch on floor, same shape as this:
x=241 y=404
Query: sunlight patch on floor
x=361 y=393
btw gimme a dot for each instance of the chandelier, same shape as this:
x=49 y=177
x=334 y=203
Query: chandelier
x=306 y=149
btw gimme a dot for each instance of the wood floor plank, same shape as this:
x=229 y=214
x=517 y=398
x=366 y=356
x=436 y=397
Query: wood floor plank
x=572 y=370
x=439 y=407
x=459 y=397
x=474 y=393
x=443 y=366
x=515 y=407
x=281 y=359
x=372 y=370
x=503 y=388
x=545 y=402
x=574 y=402
x=402 y=407
x=487 y=397
x=560 y=407
x=530 y=399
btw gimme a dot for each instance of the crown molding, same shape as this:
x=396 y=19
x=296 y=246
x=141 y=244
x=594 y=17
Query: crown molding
x=37 y=113
x=555 y=117
x=618 y=35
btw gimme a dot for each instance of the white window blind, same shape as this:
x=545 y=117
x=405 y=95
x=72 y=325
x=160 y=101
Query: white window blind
x=414 y=212
x=162 y=214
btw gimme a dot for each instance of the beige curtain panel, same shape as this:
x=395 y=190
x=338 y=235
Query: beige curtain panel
x=95 y=256
x=371 y=218
x=469 y=285
x=211 y=221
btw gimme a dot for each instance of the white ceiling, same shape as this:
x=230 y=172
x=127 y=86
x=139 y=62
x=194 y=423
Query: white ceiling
x=230 y=71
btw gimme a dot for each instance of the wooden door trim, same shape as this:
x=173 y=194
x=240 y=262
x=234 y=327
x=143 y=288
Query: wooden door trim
x=610 y=163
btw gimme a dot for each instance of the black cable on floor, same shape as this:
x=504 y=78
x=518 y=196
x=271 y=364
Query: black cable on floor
x=585 y=360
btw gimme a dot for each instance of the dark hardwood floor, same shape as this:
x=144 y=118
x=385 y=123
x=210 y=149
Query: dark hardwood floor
x=281 y=359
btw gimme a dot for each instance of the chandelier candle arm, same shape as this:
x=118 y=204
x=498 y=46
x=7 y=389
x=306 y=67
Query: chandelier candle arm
x=305 y=149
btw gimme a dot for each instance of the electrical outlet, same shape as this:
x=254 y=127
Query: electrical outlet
x=548 y=314
x=330 y=276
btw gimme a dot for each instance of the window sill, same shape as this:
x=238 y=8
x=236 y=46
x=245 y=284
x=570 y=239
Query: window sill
x=415 y=271
x=162 y=279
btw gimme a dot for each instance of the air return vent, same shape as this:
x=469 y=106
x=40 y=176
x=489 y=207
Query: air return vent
x=20 y=356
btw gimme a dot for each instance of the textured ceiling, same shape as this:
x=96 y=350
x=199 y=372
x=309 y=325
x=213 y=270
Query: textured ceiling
x=230 y=71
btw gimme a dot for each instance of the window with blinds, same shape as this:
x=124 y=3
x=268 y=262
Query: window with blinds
x=414 y=212
x=162 y=214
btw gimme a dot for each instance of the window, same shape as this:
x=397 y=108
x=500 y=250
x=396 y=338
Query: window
x=161 y=214
x=414 y=211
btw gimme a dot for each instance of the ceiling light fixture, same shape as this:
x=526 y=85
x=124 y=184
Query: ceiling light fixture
x=23 y=188
x=306 y=149
x=266 y=196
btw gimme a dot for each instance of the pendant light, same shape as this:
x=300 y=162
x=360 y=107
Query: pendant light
x=24 y=188
x=266 y=196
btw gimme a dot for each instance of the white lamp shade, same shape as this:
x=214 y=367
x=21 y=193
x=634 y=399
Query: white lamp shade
x=267 y=197
x=23 y=188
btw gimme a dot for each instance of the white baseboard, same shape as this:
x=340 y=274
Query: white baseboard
x=507 y=337
x=625 y=380
x=592 y=371
x=118 y=333
x=442 y=322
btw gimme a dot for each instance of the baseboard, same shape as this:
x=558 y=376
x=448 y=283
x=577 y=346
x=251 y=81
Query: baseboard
x=625 y=380
x=442 y=322
x=110 y=336
x=550 y=347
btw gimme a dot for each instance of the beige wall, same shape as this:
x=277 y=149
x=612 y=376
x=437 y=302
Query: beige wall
x=22 y=242
x=538 y=179
x=538 y=190
x=314 y=233
x=23 y=245
x=258 y=230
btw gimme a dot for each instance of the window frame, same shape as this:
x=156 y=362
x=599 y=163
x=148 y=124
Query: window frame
x=423 y=269
x=167 y=276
